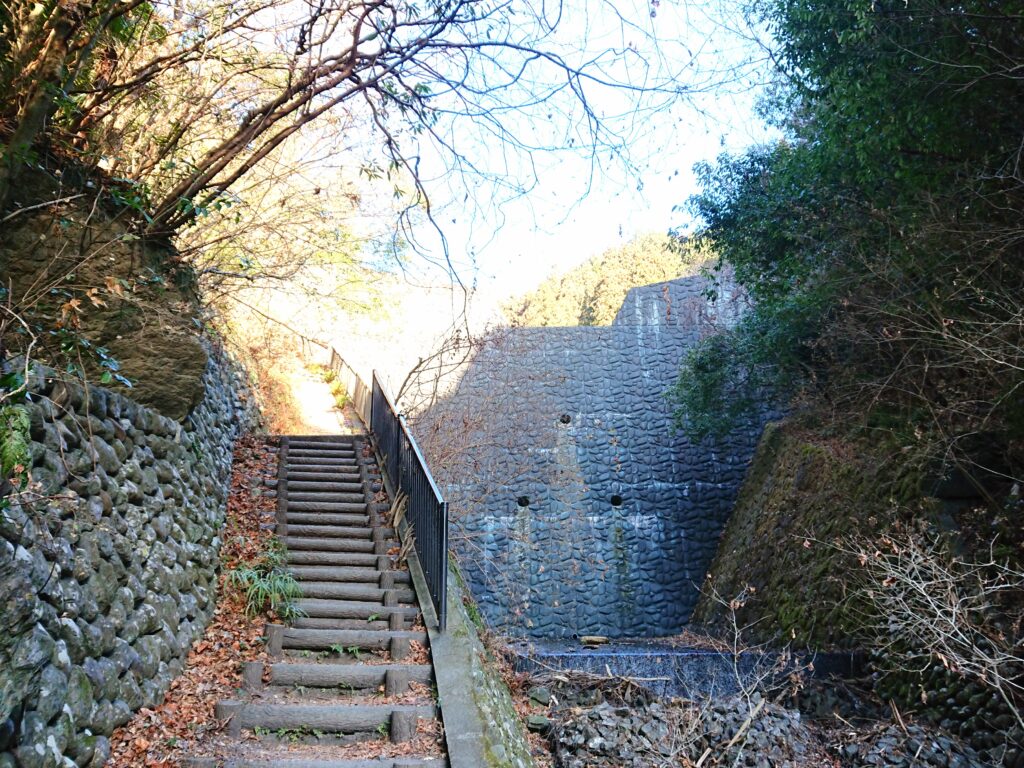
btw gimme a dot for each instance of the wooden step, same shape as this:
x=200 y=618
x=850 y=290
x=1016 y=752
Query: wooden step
x=324 y=486
x=345 y=675
x=329 y=476
x=327 y=453
x=328 y=545
x=322 y=445
x=302 y=445
x=332 y=497
x=331 y=463
x=338 y=465
x=345 y=573
x=355 y=559
x=326 y=506
x=327 y=518
x=307 y=622
x=315 y=441
x=337 y=718
x=352 y=609
x=325 y=639
x=300 y=462
x=330 y=531
x=330 y=590
x=285 y=761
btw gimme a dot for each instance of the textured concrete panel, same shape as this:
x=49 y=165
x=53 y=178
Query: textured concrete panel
x=583 y=511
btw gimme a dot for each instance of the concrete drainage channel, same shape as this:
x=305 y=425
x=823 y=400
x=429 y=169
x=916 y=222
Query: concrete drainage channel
x=677 y=670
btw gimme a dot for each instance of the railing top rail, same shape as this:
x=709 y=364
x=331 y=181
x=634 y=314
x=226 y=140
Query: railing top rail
x=359 y=393
x=412 y=440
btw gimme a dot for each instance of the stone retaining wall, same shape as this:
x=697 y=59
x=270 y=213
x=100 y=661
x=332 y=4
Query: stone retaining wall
x=108 y=564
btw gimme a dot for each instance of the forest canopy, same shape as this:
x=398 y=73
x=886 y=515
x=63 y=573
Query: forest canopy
x=592 y=293
x=259 y=147
x=881 y=237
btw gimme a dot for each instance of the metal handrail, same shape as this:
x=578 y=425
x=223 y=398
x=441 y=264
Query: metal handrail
x=406 y=470
x=358 y=393
x=427 y=511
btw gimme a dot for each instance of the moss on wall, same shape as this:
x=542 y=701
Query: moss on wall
x=777 y=562
x=501 y=742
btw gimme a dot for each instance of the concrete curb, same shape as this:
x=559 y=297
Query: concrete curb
x=472 y=740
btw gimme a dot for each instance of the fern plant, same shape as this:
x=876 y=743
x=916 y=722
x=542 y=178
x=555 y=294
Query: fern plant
x=267 y=583
x=14 y=439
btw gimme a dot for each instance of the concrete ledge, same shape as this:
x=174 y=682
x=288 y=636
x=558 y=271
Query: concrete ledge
x=675 y=670
x=480 y=724
x=481 y=727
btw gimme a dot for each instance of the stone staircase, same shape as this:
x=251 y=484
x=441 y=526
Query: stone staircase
x=351 y=676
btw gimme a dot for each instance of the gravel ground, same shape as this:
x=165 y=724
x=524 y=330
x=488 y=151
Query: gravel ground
x=613 y=724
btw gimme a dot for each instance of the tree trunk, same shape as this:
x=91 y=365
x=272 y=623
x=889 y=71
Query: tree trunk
x=38 y=106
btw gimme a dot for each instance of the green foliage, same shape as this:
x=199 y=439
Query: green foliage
x=133 y=195
x=296 y=735
x=592 y=293
x=73 y=349
x=341 y=650
x=14 y=439
x=267 y=583
x=338 y=390
x=340 y=393
x=881 y=238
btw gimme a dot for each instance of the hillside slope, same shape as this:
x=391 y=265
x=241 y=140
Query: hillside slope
x=592 y=293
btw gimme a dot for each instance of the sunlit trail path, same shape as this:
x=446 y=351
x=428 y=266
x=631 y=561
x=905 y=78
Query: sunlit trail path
x=317 y=410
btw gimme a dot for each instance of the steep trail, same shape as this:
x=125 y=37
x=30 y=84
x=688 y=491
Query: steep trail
x=349 y=684
x=317 y=410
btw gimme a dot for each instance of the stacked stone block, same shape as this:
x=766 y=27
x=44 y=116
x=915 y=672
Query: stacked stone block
x=108 y=565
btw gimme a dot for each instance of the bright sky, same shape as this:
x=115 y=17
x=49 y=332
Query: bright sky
x=505 y=247
x=502 y=244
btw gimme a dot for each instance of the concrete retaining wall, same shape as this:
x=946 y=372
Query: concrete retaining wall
x=578 y=508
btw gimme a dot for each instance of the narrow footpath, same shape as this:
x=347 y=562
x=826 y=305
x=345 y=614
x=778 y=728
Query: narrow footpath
x=349 y=684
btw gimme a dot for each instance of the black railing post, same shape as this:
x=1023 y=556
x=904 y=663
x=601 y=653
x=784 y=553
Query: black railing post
x=427 y=511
